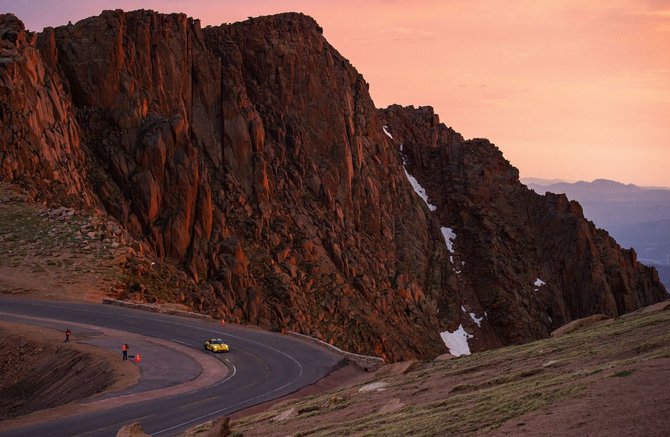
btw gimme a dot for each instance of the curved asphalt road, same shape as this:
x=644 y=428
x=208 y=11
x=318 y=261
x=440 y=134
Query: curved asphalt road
x=263 y=365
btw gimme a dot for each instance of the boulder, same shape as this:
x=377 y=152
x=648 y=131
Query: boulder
x=579 y=324
x=132 y=430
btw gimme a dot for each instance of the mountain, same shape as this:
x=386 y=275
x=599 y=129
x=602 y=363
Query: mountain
x=251 y=157
x=540 y=181
x=638 y=217
x=602 y=189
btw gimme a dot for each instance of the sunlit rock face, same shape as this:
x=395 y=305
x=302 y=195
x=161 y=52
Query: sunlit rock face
x=252 y=156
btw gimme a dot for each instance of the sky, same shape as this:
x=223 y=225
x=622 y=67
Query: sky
x=567 y=89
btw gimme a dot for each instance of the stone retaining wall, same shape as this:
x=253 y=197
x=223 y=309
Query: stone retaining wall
x=365 y=362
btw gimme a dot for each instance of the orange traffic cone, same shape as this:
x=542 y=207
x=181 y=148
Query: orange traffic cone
x=137 y=358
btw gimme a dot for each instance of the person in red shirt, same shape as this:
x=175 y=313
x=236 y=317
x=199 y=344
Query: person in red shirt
x=124 y=348
x=67 y=336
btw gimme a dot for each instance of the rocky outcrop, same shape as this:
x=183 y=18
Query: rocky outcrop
x=40 y=143
x=252 y=156
x=532 y=262
x=131 y=430
x=579 y=324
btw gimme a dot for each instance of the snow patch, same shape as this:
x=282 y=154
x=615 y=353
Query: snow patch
x=477 y=320
x=418 y=189
x=539 y=283
x=288 y=414
x=457 y=341
x=375 y=386
x=388 y=134
x=449 y=238
x=473 y=316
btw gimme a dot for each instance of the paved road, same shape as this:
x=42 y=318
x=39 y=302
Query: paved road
x=262 y=366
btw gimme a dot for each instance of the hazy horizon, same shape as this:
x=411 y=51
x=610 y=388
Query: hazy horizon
x=567 y=90
x=551 y=181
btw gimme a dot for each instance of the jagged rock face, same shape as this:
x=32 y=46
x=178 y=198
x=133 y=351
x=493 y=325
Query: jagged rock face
x=252 y=155
x=39 y=138
x=509 y=236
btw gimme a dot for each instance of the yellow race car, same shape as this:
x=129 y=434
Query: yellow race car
x=216 y=345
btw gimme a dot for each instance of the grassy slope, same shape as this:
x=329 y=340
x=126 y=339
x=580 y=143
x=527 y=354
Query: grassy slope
x=478 y=393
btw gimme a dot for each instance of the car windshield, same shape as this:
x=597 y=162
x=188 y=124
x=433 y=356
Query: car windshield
x=216 y=341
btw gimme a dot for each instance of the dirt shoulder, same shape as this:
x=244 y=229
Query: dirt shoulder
x=39 y=371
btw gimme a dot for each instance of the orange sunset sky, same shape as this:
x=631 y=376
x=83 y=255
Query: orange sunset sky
x=568 y=89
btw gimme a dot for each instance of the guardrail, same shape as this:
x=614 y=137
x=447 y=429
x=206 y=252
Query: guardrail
x=365 y=362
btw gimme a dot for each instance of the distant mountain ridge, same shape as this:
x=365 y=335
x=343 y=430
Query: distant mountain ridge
x=607 y=185
x=611 y=204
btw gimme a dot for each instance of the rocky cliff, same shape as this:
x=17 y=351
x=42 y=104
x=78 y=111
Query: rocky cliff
x=531 y=262
x=252 y=156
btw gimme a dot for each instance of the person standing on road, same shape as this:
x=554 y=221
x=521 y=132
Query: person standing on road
x=67 y=335
x=124 y=348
